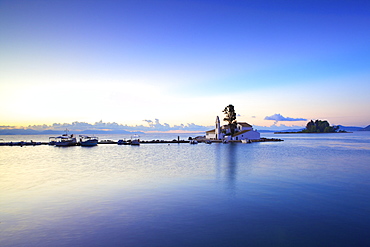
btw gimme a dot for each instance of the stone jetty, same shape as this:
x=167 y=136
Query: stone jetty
x=32 y=143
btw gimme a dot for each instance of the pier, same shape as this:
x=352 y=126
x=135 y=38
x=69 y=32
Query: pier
x=23 y=143
x=32 y=143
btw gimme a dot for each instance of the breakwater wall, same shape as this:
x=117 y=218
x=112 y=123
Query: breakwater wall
x=32 y=143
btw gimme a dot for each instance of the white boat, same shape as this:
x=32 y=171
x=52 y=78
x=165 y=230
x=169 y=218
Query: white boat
x=88 y=141
x=246 y=141
x=65 y=140
x=135 y=140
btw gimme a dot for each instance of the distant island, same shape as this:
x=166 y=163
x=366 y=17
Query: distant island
x=317 y=126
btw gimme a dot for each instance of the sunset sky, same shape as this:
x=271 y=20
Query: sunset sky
x=277 y=62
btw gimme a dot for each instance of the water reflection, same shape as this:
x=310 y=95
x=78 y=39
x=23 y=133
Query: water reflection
x=230 y=165
x=226 y=163
x=162 y=195
x=218 y=161
x=230 y=161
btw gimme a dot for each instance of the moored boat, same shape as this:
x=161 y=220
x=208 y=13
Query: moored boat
x=65 y=140
x=135 y=141
x=123 y=142
x=88 y=141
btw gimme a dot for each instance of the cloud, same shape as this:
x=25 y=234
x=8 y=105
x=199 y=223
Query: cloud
x=157 y=126
x=150 y=126
x=278 y=128
x=278 y=117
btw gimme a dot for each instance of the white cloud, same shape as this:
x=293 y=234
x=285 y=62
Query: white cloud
x=278 y=117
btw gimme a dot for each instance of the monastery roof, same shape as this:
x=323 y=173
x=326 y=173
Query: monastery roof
x=240 y=132
x=244 y=124
x=210 y=131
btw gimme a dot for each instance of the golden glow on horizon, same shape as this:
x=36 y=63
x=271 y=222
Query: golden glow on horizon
x=130 y=104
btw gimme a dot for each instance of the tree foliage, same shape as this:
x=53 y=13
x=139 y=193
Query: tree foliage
x=230 y=117
x=320 y=126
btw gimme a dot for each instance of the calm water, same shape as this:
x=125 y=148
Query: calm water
x=310 y=190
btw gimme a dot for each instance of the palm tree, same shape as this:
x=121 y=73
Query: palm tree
x=230 y=117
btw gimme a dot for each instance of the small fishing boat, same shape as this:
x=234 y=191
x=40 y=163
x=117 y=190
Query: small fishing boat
x=135 y=141
x=246 y=141
x=123 y=142
x=65 y=140
x=88 y=141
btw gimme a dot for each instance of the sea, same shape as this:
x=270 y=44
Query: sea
x=308 y=190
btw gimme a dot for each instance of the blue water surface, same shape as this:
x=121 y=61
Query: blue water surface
x=310 y=190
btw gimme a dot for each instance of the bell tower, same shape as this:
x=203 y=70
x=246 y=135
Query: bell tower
x=218 y=129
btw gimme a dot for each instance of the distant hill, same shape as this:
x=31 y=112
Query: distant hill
x=19 y=132
x=367 y=128
x=290 y=130
x=349 y=128
x=341 y=128
x=354 y=128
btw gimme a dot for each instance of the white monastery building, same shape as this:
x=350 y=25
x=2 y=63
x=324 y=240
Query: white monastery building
x=243 y=131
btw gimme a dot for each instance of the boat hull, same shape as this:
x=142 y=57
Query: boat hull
x=65 y=143
x=122 y=142
x=89 y=143
x=135 y=143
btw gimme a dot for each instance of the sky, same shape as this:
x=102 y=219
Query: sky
x=278 y=62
